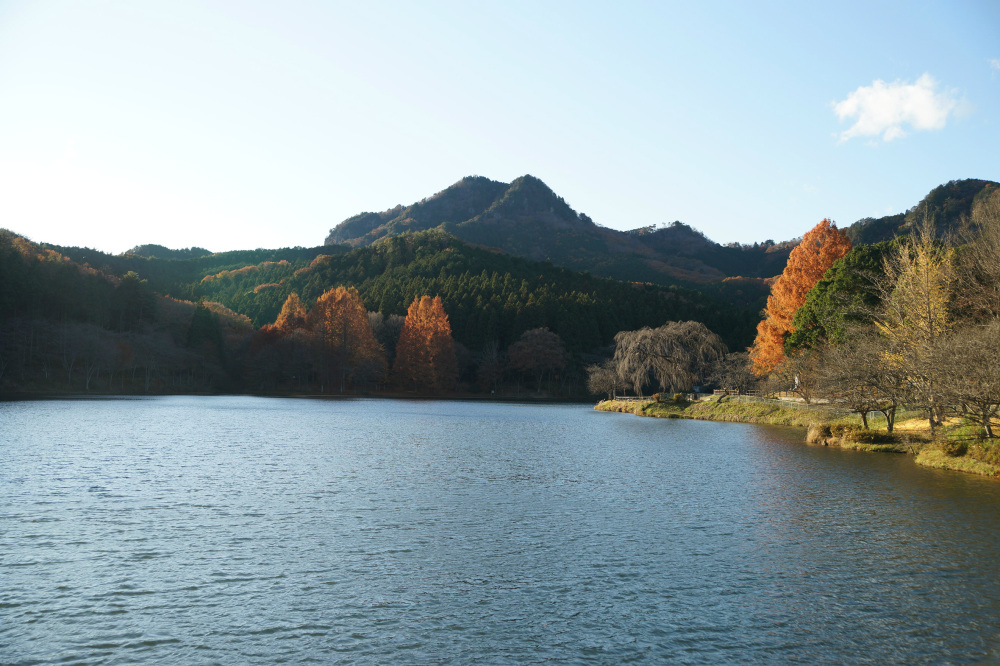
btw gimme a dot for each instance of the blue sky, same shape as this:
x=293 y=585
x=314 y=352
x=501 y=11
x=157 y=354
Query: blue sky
x=233 y=125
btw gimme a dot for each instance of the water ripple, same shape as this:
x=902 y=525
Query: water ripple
x=243 y=530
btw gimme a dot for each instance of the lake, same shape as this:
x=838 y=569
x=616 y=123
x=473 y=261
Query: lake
x=252 y=530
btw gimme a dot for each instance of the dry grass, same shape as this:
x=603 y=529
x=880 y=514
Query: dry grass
x=829 y=428
x=934 y=457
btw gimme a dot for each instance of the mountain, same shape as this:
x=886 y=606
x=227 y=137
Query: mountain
x=527 y=219
x=947 y=207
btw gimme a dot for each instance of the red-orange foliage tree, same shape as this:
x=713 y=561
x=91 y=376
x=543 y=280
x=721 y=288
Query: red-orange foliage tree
x=807 y=263
x=425 y=355
x=292 y=315
x=348 y=347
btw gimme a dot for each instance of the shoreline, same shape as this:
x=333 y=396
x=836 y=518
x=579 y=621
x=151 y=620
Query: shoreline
x=459 y=397
x=824 y=427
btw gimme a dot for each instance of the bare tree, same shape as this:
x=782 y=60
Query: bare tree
x=864 y=375
x=537 y=352
x=735 y=373
x=968 y=364
x=604 y=378
x=801 y=373
x=979 y=262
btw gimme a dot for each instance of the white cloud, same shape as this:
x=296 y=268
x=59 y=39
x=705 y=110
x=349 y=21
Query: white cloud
x=995 y=64
x=886 y=109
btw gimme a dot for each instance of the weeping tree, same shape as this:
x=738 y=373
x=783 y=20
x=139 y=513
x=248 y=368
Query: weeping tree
x=675 y=356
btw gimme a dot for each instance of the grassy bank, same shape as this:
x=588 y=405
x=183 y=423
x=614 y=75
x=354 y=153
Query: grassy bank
x=953 y=447
x=727 y=409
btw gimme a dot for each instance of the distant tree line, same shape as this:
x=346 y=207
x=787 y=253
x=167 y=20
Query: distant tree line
x=208 y=322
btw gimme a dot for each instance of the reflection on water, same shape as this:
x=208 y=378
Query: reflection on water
x=239 y=530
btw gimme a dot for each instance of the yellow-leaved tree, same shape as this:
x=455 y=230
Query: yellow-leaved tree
x=914 y=316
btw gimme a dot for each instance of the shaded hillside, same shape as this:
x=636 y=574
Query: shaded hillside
x=681 y=243
x=947 y=207
x=488 y=295
x=69 y=327
x=66 y=326
x=527 y=219
x=170 y=273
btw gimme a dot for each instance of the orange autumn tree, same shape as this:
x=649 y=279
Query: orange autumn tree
x=807 y=263
x=292 y=315
x=425 y=355
x=348 y=349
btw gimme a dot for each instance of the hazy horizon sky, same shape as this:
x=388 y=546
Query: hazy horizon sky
x=233 y=125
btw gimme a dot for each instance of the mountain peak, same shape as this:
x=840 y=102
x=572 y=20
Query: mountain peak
x=526 y=218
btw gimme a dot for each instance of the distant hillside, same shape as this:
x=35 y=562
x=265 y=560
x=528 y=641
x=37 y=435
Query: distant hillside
x=160 y=252
x=527 y=219
x=947 y=207
x=171 y=274
x=488 y=295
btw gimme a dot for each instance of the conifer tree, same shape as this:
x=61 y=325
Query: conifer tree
x=425 y=355
x=348 y=347
x=807 y=263
x=292 y=315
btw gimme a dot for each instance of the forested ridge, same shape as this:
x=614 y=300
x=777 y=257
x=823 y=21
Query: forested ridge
x=156 y=319
x=206 y=306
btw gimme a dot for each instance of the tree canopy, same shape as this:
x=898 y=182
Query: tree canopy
x=807 y=263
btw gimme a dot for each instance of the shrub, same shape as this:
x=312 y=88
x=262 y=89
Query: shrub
x=871 y=437
x=818 y=433
x=986 y=450
x=953 y=447
x=680 y=399
x=839 y=429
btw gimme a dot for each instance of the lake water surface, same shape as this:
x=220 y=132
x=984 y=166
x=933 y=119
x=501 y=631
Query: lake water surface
x=250 y=530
